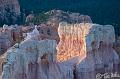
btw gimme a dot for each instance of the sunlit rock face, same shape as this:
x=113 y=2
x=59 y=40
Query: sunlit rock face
x=92 y=43
x=74 y=40
x=78 y=39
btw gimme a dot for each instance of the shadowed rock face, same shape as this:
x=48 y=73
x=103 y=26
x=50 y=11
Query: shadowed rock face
x=83 y=50
x=24 y=60
x=9 y=35
x=45 y=32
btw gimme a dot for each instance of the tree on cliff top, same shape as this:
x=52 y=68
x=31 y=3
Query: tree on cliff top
x=37 y=18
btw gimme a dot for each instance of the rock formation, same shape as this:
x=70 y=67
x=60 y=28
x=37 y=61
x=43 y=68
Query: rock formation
x=57 y=16
x=92 y=43
x=9 y=35
x=84 y=50
x=45 y=32
x=24 y=61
